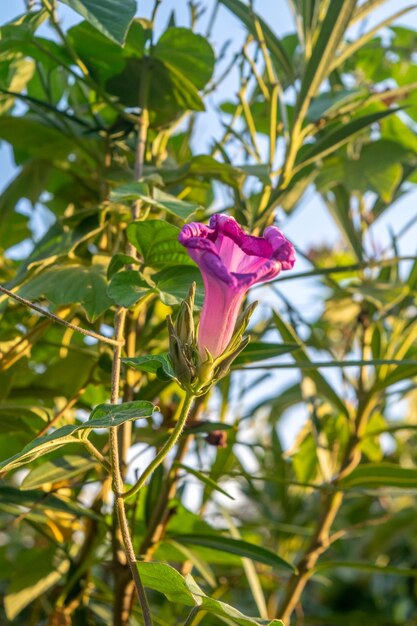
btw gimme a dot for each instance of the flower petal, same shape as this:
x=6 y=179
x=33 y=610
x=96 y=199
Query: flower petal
x=268 y=270
x=282 y=249
x=195 y=230
x=255 y=246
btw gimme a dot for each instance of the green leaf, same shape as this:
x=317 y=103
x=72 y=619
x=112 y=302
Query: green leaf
x=349 y=49
x=171 y=93
x=119 y=261
x=327 y=103
x=31 y=137
x=374 y=475
x=377 y=168
x=102 y=57
x=56 y=470
x=276 y=49
x=103 y=416
x=70 y=284
x=159 y=364
x=40 y=500
x=109 y=415
x=337 y=138
x=110 y=17
x=173 y=205
x=159 y=199
x=15 y=417
x=127 y=288
x=206 y=167
x=129 y=192
x=260 y=351
x=33 y=574
x=403 y=371
x=305 y=460
x=333 y=27
x=173 y=284
x=238 y=547
x=204 y=479
x=187 y=52
x=362 y=566
x=20 y=72
x=157 y=242
x=165 y=579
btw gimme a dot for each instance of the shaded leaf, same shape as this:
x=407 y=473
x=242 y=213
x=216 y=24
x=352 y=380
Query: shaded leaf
x=174 y=284
x=127 y=288
x=69 y=284
x=37 y=499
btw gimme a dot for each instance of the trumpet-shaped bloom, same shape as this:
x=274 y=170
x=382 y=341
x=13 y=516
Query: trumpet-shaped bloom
x=231 y=261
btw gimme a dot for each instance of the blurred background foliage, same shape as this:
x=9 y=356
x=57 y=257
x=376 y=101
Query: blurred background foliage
x=329 y=108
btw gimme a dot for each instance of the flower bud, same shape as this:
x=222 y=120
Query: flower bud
x=185 y=322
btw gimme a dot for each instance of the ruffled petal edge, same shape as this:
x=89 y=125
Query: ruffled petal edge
x=282 y=249
x=249 y=244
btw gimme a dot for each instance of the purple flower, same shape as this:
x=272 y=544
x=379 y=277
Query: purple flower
x=231 y=262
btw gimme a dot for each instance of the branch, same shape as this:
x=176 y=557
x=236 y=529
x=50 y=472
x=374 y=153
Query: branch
x=60 y=320
x=166 y=448
x=117 y=475
x=332 y=503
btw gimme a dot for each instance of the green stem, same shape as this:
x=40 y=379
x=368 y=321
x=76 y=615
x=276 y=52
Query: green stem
x=97 y=454
x=117 y=474
x=166 y=448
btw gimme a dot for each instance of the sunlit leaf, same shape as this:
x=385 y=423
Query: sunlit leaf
x=380 y=475
x=189 y=53
x=159 y=364
x=111 y=17
x=163 y=578
x=56 y=470
x=103 y=416
x=157 y=242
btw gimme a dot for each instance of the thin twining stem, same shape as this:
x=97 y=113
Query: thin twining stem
x=117 y=477
x=60 y=320
x=166 y=448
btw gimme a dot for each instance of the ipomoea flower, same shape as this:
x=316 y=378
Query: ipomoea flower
x=231 y=261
